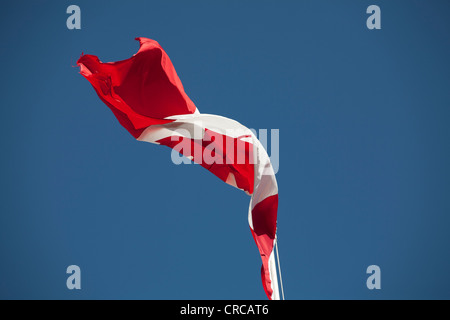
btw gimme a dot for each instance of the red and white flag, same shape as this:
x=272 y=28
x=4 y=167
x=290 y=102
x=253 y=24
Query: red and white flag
x=148 y=99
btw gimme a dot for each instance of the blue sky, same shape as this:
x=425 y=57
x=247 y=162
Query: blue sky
x=363 y=179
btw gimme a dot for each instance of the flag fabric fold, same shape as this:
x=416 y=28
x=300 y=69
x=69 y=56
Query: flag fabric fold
x=148 y=99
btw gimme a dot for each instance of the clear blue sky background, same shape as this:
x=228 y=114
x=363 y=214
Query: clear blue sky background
x=364 y=151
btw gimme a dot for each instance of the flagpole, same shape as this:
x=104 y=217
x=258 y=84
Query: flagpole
x=279 y=267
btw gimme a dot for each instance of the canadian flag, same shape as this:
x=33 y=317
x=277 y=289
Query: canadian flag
x=148 y=99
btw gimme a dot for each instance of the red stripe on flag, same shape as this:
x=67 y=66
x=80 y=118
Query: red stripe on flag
x=264 y=218
x=141 y=90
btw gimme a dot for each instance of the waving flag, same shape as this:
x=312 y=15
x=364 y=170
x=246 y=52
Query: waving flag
x=148 y=99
